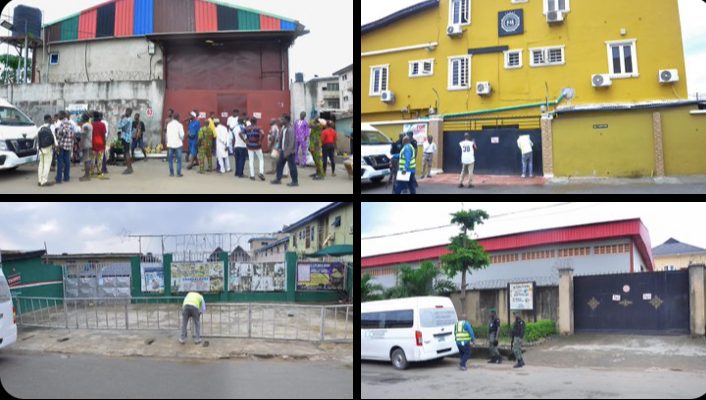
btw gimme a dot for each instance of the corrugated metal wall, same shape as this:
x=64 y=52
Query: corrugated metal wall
x=288 y=26
x=69 y=29
x=174 y=16
x=206 y=19
x=248 y=21
x=144 y=16
x=105 y=24
x=124 y=18
x=227 y=18
x=54 y=33
x=87 y=25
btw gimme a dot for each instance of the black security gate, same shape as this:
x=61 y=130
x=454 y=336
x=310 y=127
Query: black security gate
x=496 y=140
x=649 y=302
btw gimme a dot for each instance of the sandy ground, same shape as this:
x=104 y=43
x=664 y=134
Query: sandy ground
x=153 y=177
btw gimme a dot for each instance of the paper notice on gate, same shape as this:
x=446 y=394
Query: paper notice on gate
x=616 y=297
x=647 y=296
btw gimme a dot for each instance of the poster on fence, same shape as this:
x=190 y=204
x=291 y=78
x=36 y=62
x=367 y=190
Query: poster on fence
x=197 y=276
x=152 y=277
x=260 y=277
x=320 y=276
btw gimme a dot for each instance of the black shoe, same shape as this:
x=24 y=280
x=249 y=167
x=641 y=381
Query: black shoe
x=276 y=182
x=293 y=184
x=522 y=363
x=499 y=360
x=470 y=186
x=461 y=185
x=491 y=361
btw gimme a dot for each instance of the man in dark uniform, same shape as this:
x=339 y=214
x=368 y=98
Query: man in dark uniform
x=395 y=161
x=493 y=335
x=518 y=332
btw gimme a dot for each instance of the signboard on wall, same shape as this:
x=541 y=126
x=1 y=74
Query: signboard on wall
x=152 y=277
x=260 y=277
x=197 y=276
x=320 y=276
x=521 y=295
x=510 y=23
x=419 y=131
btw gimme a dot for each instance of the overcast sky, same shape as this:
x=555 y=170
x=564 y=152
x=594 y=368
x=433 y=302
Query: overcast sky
x=693 y=21
x=327 y=49
x=102 y=227
x=683 y=221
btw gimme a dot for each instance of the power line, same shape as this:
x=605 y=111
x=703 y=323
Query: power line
x=449 y=225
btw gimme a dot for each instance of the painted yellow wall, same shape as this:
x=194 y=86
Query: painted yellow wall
x=589 y=24
x=625 y=148
x=684 y=142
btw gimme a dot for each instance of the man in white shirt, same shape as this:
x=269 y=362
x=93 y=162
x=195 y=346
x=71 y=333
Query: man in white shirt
x=429 y=150
x=468 y=159
x=525 y=144
x=175 y=143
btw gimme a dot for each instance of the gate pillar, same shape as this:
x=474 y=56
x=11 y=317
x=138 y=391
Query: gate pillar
x=697 y=312
x=566 y=301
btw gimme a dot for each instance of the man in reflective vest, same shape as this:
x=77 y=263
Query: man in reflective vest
x=408 y=165
x=194 y=305
x=464 y=336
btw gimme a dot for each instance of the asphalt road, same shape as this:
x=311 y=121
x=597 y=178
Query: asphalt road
x=642 y=188
x=62 y=376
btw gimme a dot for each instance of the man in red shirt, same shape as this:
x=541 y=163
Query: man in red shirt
x=328 y=139
x=98 y=143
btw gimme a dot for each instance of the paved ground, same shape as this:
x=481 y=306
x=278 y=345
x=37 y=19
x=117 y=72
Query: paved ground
x=68 y=376
x=153 y=177
x=622 y=186
x=580 y=366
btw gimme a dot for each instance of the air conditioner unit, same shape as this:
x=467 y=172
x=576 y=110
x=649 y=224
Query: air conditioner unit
x=387 y=96
x=601 y=80
x=555 y=17
x=454 y=30
x=483 y=88
x=668 y=76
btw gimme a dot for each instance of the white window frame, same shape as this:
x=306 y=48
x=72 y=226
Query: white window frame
x=467 y=14
x=633 y=48
x=451 y=86
x=51 y=62
x=518 y=1
x=386 y=85
x=566 y=10
x=545 y=51
x=507 y=59
x=420 y=68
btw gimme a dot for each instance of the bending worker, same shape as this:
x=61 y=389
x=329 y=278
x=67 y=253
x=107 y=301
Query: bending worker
x=194 y=306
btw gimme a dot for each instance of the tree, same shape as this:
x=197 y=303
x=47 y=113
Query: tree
x=10 y=67
x=466 y=254
x=369 y=291
x=414 y=282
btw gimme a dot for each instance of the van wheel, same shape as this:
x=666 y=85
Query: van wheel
x=399 y=361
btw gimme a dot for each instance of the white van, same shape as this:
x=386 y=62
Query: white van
x=407 y=330
x=8 y=329
x=18 y=136
x=374 y=154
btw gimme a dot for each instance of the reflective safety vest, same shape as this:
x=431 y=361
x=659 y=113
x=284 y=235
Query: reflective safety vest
x=462 y=335
x=412 y=161
x=193 y=299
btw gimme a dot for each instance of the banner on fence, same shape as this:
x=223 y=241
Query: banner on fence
x=152 y=277
x=260 y=277
x=320 y=276
x=197 y=276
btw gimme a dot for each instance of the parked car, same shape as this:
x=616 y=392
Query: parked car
x=408 y=330
x=8 y=329
x=18 y=137
x=374 y=154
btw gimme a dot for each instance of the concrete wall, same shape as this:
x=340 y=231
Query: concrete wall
x=111 y=98
x=101 y=61
x=479 y=303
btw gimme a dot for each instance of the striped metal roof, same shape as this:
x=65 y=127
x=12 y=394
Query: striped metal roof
x=633 y=228
x=129 y=18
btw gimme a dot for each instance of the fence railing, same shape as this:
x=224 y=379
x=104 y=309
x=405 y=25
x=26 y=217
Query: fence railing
x=251 y=320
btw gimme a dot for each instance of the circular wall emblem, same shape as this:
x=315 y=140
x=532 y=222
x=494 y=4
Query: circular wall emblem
x=510 y=22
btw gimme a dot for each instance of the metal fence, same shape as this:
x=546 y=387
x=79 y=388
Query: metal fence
x=246 y=320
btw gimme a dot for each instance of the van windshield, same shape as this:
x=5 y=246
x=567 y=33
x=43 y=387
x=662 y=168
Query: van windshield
x=372 y=137
x=436 y=317
x=14 y=117
x=4 y=290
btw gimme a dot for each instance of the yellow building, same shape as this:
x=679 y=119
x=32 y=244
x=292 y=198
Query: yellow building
x=328 y=230
x=673 y=255
x=504 y=68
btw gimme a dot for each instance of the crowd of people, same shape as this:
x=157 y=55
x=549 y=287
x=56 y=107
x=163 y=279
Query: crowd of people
x=90 y=143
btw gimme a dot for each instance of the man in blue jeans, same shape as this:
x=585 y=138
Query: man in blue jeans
x=65 y=142
x=464 y=337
